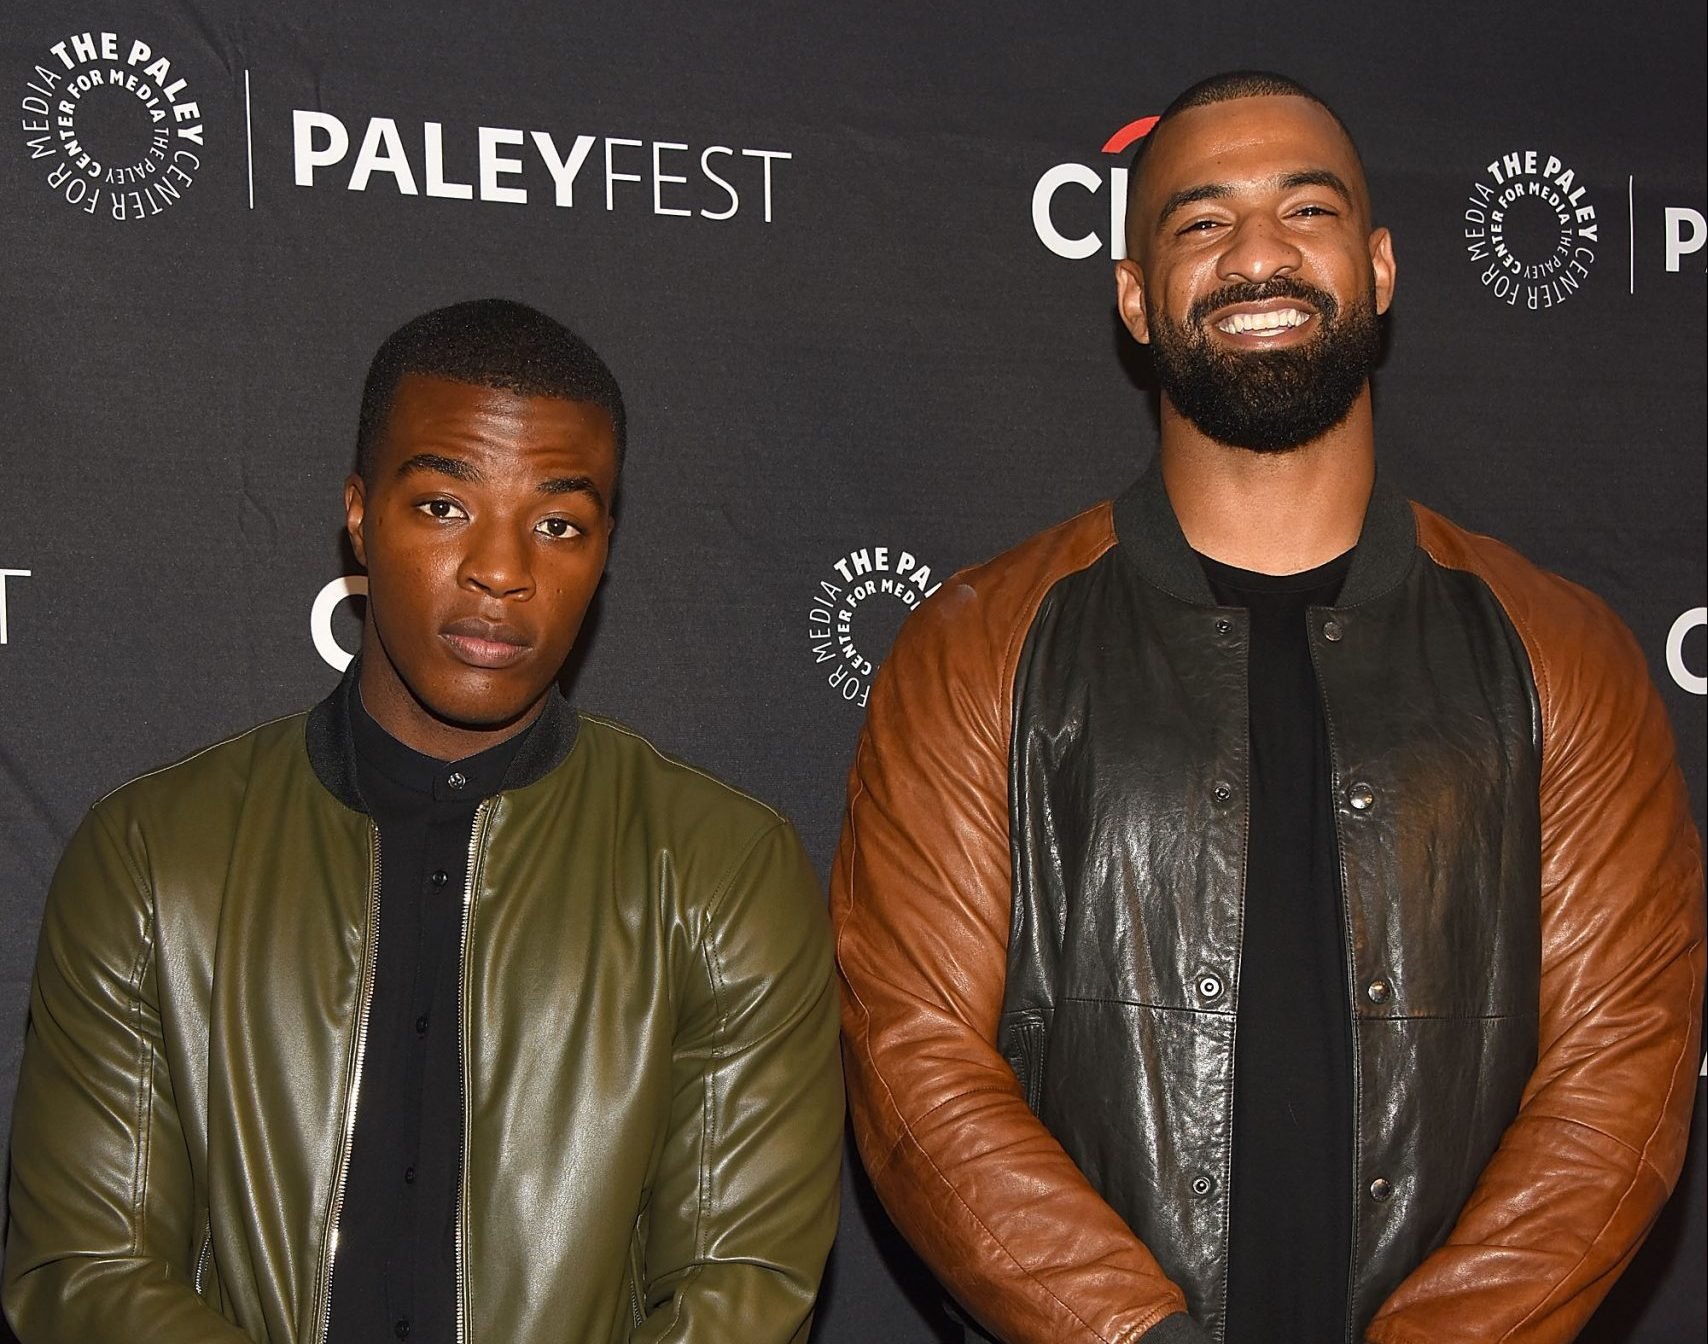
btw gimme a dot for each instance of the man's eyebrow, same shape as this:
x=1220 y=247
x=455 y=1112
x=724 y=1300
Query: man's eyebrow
x=453 y=467
x=1208 y=191
x=571 y=485
x=1319 y=177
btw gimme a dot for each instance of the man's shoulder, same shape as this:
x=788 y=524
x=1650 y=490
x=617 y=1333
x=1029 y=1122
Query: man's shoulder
x=209 y=777
x=1578 y=647
x=651 y=781
x=992 y=604
x=1045 y=557
x=1531 y=595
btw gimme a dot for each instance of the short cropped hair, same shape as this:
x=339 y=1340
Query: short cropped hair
x=1225 y=88
x=495 y=343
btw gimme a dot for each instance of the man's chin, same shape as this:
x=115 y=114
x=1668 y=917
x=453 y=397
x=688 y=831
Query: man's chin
x=483 y=708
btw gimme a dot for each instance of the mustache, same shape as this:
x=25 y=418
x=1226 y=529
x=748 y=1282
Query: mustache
x=1253 y=291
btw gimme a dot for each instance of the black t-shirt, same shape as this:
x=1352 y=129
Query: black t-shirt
x=395 y=1275
x=1290 y=1234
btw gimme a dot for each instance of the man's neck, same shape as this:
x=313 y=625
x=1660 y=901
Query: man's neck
x=395 y=709
x=1271 y=513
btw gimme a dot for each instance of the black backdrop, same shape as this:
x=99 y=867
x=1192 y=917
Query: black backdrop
x=851 y=265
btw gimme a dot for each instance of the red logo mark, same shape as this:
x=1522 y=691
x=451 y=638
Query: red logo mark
x=1129 y=135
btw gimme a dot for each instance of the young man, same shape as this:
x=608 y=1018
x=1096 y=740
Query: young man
x=1268 y=912
x=441 y=1012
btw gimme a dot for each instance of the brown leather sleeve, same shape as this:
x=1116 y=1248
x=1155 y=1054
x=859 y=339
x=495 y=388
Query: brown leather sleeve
x=920 y=897
x=1582 y=1171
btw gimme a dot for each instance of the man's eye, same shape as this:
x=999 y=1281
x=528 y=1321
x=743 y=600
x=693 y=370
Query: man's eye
x=556 y=527
x=1199 y=226
x=440 y=508
x=1313 y=210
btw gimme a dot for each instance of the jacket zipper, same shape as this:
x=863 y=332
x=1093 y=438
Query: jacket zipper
x=203 y=1255
x=370 y=955
x=476 y=834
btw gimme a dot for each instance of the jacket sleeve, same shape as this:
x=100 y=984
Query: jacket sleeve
x=921 y=897
x=1584 y=1169
x=744 y=1207
x=103 y=1219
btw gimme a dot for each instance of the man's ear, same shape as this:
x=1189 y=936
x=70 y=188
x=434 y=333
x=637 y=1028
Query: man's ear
x=1130 y=299
x=355 y=510
x=1382 y=266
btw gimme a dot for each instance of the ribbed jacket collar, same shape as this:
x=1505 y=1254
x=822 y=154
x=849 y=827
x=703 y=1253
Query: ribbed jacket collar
x=1150 y=539
x=331 y=742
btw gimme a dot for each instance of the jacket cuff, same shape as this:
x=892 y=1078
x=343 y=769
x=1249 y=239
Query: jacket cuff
x=1176 y=1329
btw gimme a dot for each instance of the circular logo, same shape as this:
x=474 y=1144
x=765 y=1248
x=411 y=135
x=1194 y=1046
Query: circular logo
x=112 y=126
x=1531 y=229
x=856 y=611
x=1688 y=678
x=320 y=630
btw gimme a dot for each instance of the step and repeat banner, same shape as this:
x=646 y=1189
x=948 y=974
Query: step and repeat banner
x=851 y=264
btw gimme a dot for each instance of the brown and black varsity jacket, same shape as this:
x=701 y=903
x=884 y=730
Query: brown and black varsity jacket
x=1038 y=898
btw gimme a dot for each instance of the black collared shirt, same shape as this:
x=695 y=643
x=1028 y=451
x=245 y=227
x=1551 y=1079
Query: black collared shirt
x=395 y=1274
x=1290 y=1212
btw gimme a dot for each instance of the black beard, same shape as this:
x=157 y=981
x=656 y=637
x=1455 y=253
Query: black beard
x=1268 y=401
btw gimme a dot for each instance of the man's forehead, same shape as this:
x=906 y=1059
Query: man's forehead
x=498 y=427
x=432 y=403
x=1260 y=137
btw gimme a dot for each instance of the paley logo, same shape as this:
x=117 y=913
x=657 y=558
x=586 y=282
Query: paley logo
x=1531 y=228
x=1086 y=180
x=1685 y=232
x=110 y=118
x=513 y=166
x=855 y=611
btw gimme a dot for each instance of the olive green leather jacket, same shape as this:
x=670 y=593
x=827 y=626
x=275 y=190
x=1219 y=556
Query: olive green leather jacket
x=652 y=1104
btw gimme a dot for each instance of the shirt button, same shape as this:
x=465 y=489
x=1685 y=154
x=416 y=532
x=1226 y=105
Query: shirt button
x=401 y=1328
x=421 y=1025
x=1362 y=797
x=1379 y=991
x=456 y=780
x=1222 y=791
x=1210 y=986
x=1332 y=631
x=440 y=877
x=1381 y=1189
x=409 y=1175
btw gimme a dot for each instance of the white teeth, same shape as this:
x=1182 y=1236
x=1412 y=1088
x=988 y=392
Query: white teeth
x=1265 y=324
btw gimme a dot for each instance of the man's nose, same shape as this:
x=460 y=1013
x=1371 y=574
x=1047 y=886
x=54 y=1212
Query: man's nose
x=497 y=561
x=1258 y=249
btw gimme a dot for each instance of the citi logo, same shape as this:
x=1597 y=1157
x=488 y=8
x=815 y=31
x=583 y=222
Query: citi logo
x=1065 y=211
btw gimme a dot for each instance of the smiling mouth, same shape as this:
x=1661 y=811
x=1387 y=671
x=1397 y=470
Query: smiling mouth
x=1275 y=323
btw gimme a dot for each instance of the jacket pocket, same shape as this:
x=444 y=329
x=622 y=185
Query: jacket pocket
x=1023 y=1048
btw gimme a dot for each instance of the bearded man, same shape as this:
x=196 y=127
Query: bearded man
x=1266 y=911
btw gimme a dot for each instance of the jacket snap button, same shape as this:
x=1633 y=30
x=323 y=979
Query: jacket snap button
x=1223 y=625
x=1379 y=991
x=1221 y=791
x=1203 y=1185
x=1332 y=631
x=456 y=779
x=1362 y=797
x=1210 y=986
x=1381 y=1189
